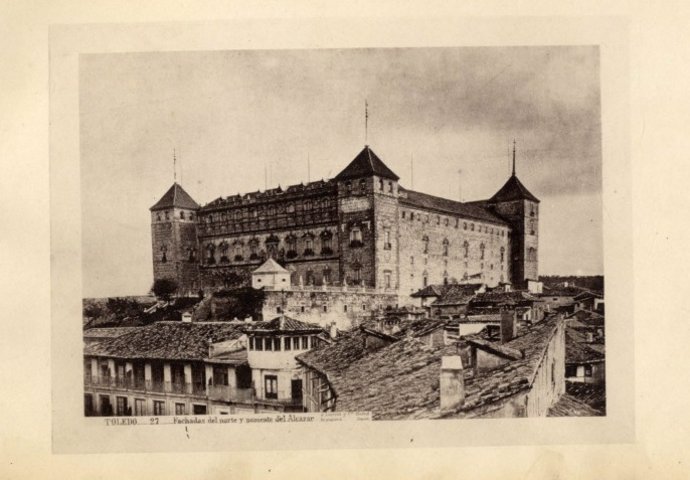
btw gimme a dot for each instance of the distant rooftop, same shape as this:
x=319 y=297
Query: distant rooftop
x=283 y=324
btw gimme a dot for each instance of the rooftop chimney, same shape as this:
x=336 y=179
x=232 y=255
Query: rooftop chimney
x=187 y=317
x=508 y=326
x=452 y=382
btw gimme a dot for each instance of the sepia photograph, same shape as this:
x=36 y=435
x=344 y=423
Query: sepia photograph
x=396 y=233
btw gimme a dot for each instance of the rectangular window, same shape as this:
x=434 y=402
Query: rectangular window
x=325 y=308
x=387 y=279
x=251 y=343
x=180 y=409
x=121 y=406
x=259 y=343
x=158 y=407
x=364 y=306
x=288 y=343
x=305 y=343
x=345 y=308
x=139 y=407
x=276 y=344
x=295 y=343
x=268 y=344
x=271 y=386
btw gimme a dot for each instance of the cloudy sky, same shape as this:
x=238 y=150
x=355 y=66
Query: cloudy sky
x=452 y=113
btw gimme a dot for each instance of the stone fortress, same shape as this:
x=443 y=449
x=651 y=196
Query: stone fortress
x=359 y=231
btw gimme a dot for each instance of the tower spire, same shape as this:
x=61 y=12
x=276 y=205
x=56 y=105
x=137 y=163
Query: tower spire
x=366 y=122
x=174 y=166
x=513 y=157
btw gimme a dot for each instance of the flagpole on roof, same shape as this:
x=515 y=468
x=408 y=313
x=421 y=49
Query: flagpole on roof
x=366 y=122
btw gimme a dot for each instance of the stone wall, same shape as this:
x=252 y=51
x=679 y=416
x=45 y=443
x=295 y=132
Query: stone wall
x=416 y=226
x=174 y=248
x=549 y=381
x=345 y=308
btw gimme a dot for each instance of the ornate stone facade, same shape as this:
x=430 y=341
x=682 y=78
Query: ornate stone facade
x=360 y=228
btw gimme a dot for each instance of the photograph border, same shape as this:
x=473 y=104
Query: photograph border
x=74 y=433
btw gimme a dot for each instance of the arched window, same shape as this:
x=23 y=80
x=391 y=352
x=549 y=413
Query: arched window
x=532 y=254
x=348 y=186
x=503 y=254
x=464 y=225
x=357 y=273
x=308 y=244
x=531 y=227
x=466 y=249
x=425 y=278
x=310 y=277
x=164 y=251
x=182 y=215
x=253 y=249
x=445 y=278
x=307 y=205
x=386 y=240
x=191 y=254
x=326 y=243
x=445 y=247
x=210 y=254
x=355 y=237
x=425 y=241
x=390 y=187
x=482 y=247
x=223 y=247
x=381 y=184
x=472 y=227
x=327 y=275
x=362 y=185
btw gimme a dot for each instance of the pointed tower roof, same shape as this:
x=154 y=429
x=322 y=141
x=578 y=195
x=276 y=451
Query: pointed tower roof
x=366 y=164
x=513 y=190
x=270 y=266
x=175 y=197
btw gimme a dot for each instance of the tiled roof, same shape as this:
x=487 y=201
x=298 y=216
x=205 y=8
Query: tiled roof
x=513 y=189
x=569 y=406
x=443 y=205
x=429 y=291
x=167 y=340
x=401 y=380
x=108 y=332
x=175 y=197
x=588 y=294
x=588 y=393
x=282 y=324
x=504 y=298
x=366 y=164
x=512 y=377
x=456 y=294
x=578 y=351
x=270 y=266
x=395 y=382
x=330 y=359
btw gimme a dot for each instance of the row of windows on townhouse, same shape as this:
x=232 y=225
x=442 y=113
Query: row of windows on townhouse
x=362 y=184
x=446 y=277
x=122 y=407
x=277 y=344
x=446 y=221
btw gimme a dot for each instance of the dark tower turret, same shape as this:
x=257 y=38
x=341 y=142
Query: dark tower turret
x=517 y=205
x=174 y=239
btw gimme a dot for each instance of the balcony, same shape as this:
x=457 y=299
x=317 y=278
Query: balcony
x=198 y=389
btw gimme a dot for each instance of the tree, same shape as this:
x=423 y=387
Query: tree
x=164 y=288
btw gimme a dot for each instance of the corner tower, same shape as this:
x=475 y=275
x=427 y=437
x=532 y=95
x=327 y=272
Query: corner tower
x=174 y=239
x=521 y=209
x=368 y=214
